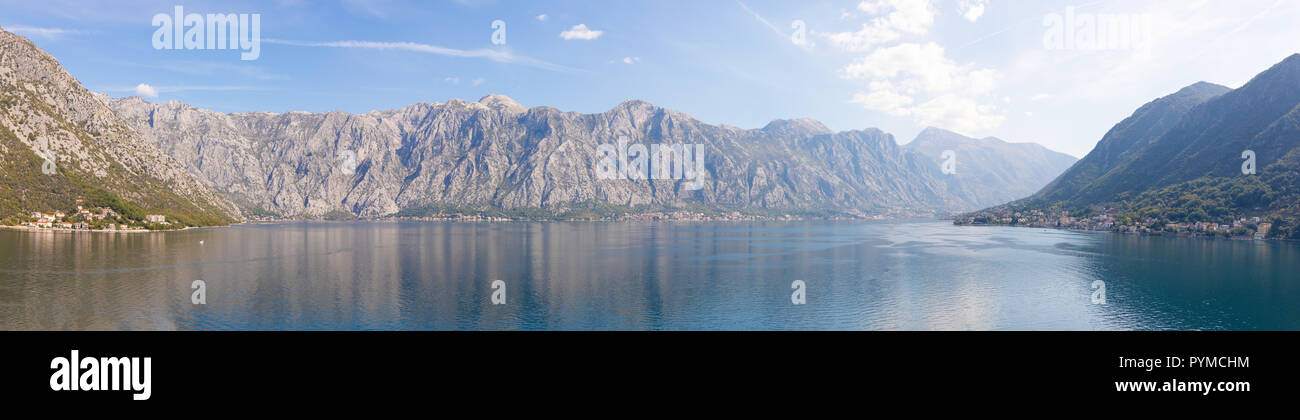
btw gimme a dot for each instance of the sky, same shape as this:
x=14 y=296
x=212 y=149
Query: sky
x=1058 y=73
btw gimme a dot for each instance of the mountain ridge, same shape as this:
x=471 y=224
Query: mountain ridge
x=756 y=167
x=95 y=156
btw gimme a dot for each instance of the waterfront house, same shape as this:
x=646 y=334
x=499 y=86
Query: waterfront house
x=1263 y=230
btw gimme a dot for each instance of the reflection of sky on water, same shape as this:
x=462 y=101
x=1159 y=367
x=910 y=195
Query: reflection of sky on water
x=909 y=276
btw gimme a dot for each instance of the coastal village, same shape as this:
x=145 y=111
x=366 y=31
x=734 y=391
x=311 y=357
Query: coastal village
x=93 y=219
x=1242 y=228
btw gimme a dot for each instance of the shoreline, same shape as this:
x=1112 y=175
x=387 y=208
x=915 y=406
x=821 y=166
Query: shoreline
x=449 y=221
x=53 y=230
x=1163 y=235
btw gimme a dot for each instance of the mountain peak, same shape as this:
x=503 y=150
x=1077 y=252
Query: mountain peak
x=934 y=131
x=635 y=103
x=936 y=135
x=1203 y=88
x=808 y=125
x=501 y=102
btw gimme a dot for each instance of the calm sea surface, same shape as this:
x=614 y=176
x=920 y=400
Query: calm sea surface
x=927 y=275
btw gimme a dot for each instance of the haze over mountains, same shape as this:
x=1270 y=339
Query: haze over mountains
x=991 y=170
x=489 y=154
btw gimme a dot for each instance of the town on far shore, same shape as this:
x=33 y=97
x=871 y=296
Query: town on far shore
x=93 y=219
x=1109 y=220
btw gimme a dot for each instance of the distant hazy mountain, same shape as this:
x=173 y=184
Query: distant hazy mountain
x=991 y=171
x=496 y=153
x=95 y=156
x=1180 y=158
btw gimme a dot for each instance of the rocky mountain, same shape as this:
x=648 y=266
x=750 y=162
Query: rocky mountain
x=60 y=143
x=1260 y=116
x=1124 y=141
x=495 y=153
x=1205 y=154
x=990 y=171
x=203 y=167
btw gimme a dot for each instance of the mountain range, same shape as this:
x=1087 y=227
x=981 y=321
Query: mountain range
x=493 y=155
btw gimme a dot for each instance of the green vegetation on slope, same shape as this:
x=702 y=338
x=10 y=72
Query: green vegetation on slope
x=24 y=188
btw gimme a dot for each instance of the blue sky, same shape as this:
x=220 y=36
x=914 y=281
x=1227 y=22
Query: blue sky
x=980 y=67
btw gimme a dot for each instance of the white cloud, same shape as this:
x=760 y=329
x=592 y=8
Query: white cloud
x=873 y=7
x=958 y=113
x=862 y=40
x=37 y=32
x=631 y=60
x=904 y=17
x=911 y=16
x=477 y=81
x=452 y=80
x=972 y=10
x=922 y=68
x=146 y=91
x=582 y=32
x=1040 y=97
x=885 y=98
x=542 y=17
x=898 y=75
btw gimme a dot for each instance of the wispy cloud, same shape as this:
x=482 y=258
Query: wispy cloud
x=805 y=42
x=760 y=18
x=150 y=91
x=494 y=55
x=38 y=32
